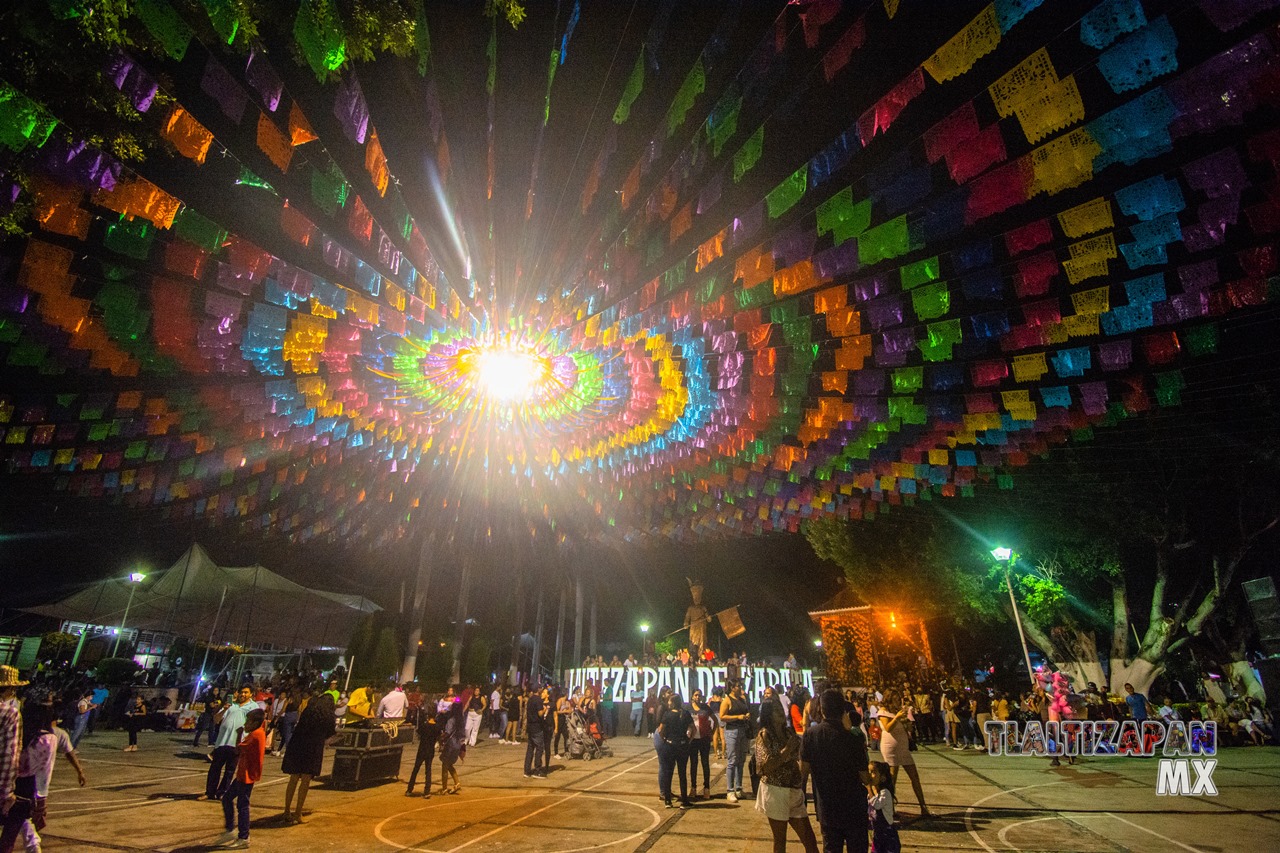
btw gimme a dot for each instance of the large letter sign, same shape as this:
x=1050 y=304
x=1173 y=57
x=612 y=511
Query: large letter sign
x=632 y=684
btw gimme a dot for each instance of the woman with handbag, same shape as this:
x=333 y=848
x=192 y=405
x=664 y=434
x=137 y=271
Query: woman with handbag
x=780 y=796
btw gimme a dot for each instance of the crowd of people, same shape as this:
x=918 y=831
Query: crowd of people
x=847 y=746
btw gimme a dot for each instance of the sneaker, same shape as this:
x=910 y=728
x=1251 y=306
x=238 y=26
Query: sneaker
x=409 y=793
x=528 y=775
x=558 y=757
x=706 y=793
x=238 y=844
x=958 y=748
x=426 y=795
x=670 y=804
x=732 y=797
x=225 y=838
x=685 y=804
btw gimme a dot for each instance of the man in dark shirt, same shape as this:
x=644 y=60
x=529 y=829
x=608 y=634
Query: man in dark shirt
x=834 y=754
x=535 y=727
x=428 y=736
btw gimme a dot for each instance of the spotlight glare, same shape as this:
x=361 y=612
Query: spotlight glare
x=509 y=375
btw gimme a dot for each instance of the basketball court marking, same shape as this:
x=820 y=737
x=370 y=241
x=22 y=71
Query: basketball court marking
x=657 y=819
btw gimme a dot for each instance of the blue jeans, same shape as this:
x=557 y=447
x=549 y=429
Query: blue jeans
x=637 y=713
x=287 y=724
x=237 y=794
x=735 y=749
x=82 y=723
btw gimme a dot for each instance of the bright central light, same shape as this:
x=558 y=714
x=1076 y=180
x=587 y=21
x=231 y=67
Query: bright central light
x=510 y=376
x=1002 y=554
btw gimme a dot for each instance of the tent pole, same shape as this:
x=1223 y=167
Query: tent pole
x=195 y=691
x=177 y=601
x=248 y=622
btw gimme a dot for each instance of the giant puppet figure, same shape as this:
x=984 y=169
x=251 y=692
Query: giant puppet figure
x=696 y=619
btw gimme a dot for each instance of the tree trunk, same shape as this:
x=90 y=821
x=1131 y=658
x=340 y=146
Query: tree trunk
x=578 y=600
x=422 y=583
x=460 y=626
x=1139 y=672
x=1245 y=681
x=1082 y=664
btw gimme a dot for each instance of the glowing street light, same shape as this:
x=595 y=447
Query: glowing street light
x=135 y=578
x=1009 y=557
x=644 y=638
x=817 y=644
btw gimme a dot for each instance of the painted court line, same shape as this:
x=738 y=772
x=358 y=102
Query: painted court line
x=549 y=805
x=1156 y=834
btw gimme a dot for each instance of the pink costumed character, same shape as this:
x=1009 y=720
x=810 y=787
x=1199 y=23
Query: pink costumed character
x=1059 y=704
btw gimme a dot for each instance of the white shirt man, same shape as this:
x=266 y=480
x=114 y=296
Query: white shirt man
x=393 y=705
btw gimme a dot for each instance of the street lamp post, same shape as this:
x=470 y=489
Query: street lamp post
x=1008 y=556
x=135 y=578
x=644 y=639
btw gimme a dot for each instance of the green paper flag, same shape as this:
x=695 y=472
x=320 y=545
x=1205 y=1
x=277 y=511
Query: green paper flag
x=22 y=120
x=931 y=302
x=921 y=272
x=130 y=237
x=748 y=154
x=222 y=15
x=908 y=379
x=885 y=241
x=166 y=26
x=249 y=179
x=319 y=35
x=635 y=84
x=843 y=219
x=422 y=37
x=199 y=230
x=1169 y=388
x=551 y=76
x=786 y=194
x=328 y=191
x=1202 y=340
x=695 y=83
x=492 y=53
x=722 y=124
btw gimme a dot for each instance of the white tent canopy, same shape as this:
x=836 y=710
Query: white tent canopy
x=261 y=607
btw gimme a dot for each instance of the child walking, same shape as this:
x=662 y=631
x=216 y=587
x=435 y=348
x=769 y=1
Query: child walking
x=884 y=836
x=248 y=771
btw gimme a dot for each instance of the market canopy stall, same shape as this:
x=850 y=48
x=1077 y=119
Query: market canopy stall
x=260 y=608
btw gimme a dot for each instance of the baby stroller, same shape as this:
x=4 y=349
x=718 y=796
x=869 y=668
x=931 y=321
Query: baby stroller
x=585 y=740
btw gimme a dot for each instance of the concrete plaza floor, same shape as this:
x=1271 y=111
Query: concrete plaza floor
x=150 y=800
